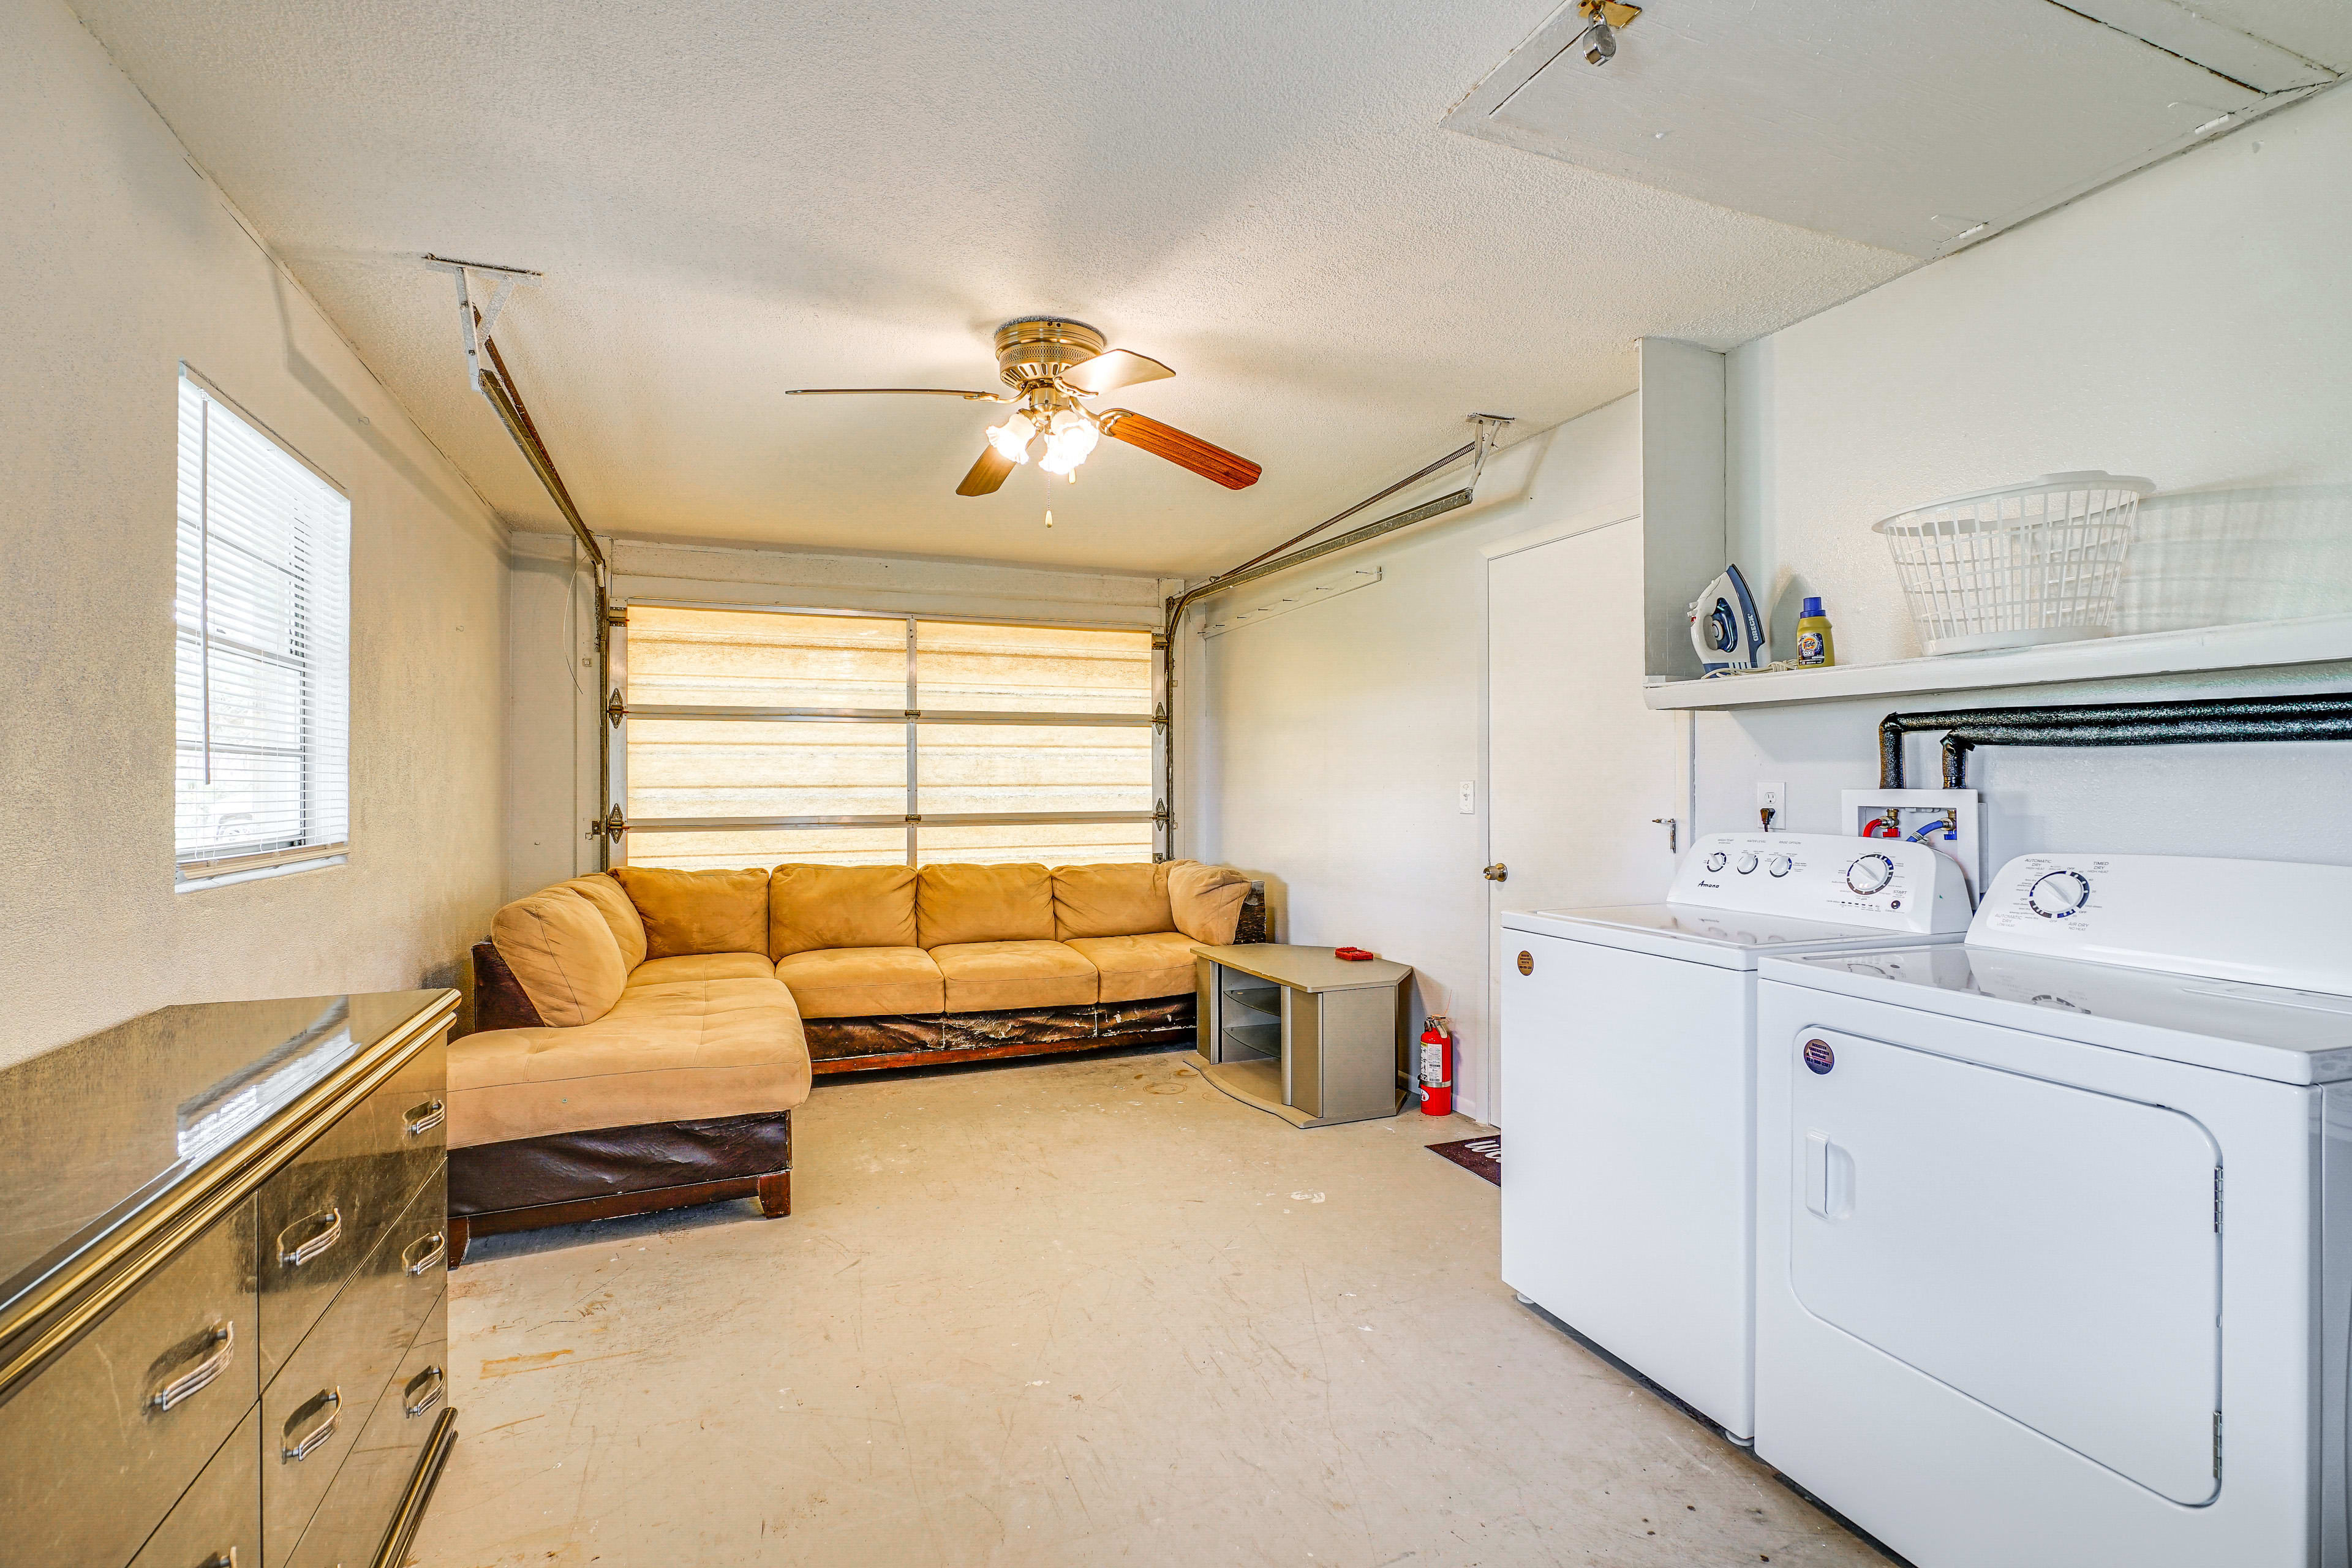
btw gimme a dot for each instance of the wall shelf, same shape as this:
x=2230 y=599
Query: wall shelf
x=2313 y=639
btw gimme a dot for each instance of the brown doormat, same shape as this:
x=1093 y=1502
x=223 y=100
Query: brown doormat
x=1482 y=1155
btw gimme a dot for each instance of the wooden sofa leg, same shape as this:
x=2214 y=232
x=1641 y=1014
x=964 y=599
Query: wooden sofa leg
x=461 y=1231
x=775 y=1194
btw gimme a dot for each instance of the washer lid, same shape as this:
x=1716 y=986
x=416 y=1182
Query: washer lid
x=2264 y=1031
x=1726 y=938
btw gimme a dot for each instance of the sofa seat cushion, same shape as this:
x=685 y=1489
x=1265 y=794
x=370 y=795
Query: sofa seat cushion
x=986 y=976
x=677 y=1047
x=702 y=966
x=1137 y=968
x=862 y=982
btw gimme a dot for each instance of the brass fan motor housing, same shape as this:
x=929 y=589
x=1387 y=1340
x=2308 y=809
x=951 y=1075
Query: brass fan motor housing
x=1038 y=348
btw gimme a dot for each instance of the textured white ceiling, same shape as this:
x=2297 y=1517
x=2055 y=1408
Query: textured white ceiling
x=734 y=197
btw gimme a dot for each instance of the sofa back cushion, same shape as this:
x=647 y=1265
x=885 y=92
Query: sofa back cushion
x=1111 y=901
x=699 y=912
x=628 y=926
x=983 y=903
x=1206 y=901
x=813 y=907
x=562 y=954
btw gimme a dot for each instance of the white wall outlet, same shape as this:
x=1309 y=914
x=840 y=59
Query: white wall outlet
x=1469 y=797
x=1771 y=807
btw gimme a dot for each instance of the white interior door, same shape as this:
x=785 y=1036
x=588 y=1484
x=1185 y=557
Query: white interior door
x=1577 y=768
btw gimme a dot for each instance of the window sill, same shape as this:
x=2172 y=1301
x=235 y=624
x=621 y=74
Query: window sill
x=225 y=876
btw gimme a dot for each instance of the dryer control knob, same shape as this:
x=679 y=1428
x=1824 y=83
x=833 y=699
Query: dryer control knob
x=1747 y=861
x=1716 y=861
x=2059 y=894
x=1779 y=865
x=1870 y=874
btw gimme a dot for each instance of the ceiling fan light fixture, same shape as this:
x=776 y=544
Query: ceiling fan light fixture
x=1012 y=437
x=1068 y=439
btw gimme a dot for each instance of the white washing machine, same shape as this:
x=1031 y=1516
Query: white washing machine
x=1628 y=1064
x=2054 y=1226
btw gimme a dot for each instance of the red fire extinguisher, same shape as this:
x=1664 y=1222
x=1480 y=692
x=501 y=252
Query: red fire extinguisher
x=1437 y=1075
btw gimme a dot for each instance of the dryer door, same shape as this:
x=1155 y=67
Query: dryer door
x=2052 y=1252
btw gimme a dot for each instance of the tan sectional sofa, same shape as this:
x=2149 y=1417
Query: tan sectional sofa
x=643 y=1034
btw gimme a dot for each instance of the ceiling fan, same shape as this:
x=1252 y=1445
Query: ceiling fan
x=1052 y=363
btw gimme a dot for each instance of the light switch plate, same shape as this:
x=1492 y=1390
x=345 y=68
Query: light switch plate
x=1469 y=797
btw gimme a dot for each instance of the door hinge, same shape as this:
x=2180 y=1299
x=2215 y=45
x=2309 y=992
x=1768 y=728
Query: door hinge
x=611 y=827
x=615 y=709
x=1674 y=832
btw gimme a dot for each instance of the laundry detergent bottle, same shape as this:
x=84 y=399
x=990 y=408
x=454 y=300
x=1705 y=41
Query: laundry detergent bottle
x=1813 y=645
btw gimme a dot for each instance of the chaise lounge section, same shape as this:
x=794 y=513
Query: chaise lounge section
x=646 y=1033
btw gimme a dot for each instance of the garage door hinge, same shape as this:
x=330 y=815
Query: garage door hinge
x=611 y=827
x=615 y=710
x=1160 y=716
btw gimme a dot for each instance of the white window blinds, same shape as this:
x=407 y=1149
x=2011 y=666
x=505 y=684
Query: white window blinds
x=263 y=687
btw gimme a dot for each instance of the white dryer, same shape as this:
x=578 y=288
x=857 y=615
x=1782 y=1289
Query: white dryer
x=2054 y=1226
x=1628 y=1065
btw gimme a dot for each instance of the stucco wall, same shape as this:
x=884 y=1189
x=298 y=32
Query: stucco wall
x=121 y=261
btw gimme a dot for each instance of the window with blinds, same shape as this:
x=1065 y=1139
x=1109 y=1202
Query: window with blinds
x=263 y=676
x=757 y=737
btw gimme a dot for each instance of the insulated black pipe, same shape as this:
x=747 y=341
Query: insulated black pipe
x=2320 y=716
x=1959 y=741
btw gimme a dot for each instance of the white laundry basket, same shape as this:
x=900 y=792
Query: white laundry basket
x=2028 y=563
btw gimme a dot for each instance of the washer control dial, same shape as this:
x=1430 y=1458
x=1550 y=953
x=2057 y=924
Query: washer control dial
x=1747 y=861
x=1716 y=861
x=1870 y=874
x=1779 y=865
x=2059 y=894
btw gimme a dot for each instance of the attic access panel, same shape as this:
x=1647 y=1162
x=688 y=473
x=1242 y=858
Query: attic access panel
x=1914 y=125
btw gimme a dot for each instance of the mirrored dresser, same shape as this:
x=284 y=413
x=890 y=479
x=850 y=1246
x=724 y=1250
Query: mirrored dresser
x=223 y=1260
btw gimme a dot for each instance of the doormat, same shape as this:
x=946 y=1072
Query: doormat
x=1482 y=1156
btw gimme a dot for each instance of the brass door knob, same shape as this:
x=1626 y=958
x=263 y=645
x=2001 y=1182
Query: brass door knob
x=1498 y=872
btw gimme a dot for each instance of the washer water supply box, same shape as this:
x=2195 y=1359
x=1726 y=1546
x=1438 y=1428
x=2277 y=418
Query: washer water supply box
x=1949 y=820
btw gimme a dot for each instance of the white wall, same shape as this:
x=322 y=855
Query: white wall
x=2193 y=325
x=122 y=261
x=1322 y=749
x=556 y=721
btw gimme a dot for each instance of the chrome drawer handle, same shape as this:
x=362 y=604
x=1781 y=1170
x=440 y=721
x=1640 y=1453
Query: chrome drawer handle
x=418 y=1404
x=425 y=1117
x=295 y=1256
x=332 y=1406
x=435 y=1248
x=195 y=1378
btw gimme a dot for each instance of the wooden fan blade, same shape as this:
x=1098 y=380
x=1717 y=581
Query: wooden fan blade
x=986 y=474
x=1228 y=469
x=1112 y=369
x=921 y=390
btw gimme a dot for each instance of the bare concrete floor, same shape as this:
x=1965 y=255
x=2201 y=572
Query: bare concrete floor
x=1085 y=1314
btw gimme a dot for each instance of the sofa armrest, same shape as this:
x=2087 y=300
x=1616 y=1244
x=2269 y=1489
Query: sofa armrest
x=1252 y=926
x=499 y=1001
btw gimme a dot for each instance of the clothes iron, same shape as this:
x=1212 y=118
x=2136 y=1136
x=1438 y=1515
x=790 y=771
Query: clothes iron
x=1724 y=627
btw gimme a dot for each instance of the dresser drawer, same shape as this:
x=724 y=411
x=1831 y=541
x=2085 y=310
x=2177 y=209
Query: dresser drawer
x=325 y=1212
x=351 y=1523
x=95 y=1450
x=313 y=1411
x=220 y=1516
